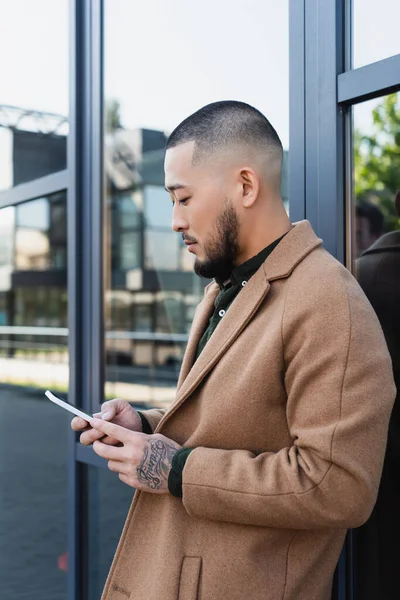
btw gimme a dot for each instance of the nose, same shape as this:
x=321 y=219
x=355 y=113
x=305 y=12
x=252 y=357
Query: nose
x=179 y=223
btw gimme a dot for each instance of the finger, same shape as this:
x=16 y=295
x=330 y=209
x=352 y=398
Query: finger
x=78 y=424
x=108 y=452
x=128 y=480
x=88 y=437
x=117 y=467
x=116 y=431
x=109 y=409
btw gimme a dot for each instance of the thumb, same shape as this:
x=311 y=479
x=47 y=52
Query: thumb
x=108 y=410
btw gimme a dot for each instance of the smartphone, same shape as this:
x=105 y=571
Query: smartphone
x=64 y=404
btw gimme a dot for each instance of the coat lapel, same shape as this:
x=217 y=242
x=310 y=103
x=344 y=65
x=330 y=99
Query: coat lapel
x=200 y=321
x=299 y=242
x=239 y=314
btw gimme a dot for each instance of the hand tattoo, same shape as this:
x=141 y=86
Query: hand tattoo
x=156 y=462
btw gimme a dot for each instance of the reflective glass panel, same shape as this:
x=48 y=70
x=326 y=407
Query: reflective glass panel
x=375 y=30
x=33 y=285
x=33 y=431
x=109 y=502
x=189 y=56
x=34 y=89
x=151 y=288
x=376 y=263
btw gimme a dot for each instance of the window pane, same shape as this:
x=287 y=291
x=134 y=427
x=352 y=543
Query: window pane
x=375 y=30
x=33 y=501
x=376 y=263
x=40 y=234
x=34 y=90
x=144 y=255
x=161 y=250
x=151 y=287
x=187 y=59
x=109 y=501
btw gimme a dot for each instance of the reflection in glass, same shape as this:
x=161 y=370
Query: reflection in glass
x=151 y=290
x=162 y=250
x=377 y=266
x=109 y=501
x=33 y=500
x=34 y=90
x=33 y=294
x=375 y=30
x=40 y=236
x=7 y=225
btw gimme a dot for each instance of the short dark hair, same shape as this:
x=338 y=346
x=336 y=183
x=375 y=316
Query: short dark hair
x=223 y=124
x=374 y=215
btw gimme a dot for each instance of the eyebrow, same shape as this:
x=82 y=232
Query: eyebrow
x=176 y=186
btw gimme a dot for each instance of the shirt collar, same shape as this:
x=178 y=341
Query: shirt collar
x=242 y=273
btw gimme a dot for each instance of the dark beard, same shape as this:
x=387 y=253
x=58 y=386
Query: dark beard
x=222 y=247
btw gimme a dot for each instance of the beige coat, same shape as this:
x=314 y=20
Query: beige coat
x=287 y=408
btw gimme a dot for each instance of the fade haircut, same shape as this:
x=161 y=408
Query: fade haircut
x=224 y=125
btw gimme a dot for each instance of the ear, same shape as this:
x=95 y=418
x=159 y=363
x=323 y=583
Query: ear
x=250 y=185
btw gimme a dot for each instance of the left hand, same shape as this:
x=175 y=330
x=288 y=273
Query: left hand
x=142 y=461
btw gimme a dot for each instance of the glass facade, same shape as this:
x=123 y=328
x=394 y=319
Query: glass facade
x=375 y=33
x=105 y=525
x=33 y=300
x=34 y=91
x=33 y=499
x=33 y=357
x=376 y=263
x=159 y=63
x=151 y=290
x=33 y=293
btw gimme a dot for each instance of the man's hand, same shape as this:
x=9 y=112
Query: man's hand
x=118 y=411
x=143 y=461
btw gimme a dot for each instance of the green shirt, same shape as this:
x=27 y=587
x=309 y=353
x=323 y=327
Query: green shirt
x=228 y=291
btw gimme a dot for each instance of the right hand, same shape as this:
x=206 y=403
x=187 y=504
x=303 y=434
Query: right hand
x=116 y=411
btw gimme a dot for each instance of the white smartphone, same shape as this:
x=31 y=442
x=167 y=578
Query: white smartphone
x=64 y=404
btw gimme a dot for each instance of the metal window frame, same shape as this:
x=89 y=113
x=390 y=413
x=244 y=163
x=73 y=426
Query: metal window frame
x=377 y=79
x=43 y=186
x=297 y=114
x=85 y=268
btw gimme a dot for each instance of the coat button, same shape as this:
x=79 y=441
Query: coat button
x=244 y=283
x=222 y=312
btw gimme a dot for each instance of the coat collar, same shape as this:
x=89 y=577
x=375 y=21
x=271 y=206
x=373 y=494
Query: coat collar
x=388 y=241
x=292 y=249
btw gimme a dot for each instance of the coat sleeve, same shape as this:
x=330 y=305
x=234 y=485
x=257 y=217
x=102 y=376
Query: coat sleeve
x=340 y=392
x=153 y=416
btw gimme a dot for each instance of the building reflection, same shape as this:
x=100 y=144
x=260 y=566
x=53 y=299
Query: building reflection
x=150 y=289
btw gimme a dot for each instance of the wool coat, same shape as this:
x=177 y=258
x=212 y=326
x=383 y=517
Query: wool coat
x=287 y=409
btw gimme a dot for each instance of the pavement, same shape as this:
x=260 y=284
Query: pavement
x=33 y=502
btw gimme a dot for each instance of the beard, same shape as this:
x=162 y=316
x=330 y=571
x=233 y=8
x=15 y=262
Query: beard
x=222 y=246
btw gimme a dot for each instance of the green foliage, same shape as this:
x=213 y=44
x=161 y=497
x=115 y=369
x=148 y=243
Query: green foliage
x=377 y=160
x=113 y=114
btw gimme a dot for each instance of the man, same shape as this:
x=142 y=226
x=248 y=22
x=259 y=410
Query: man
x=377 y=555
x=369 y=224
x=275 y=442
